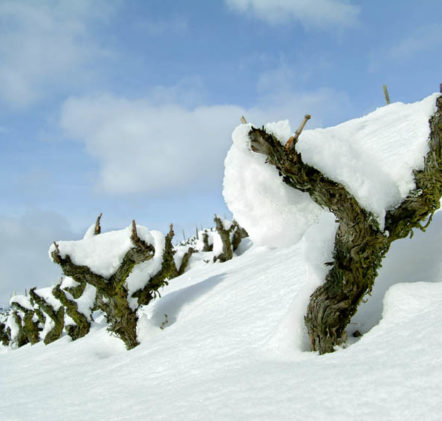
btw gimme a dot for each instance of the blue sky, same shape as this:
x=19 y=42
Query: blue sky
x=126 y=107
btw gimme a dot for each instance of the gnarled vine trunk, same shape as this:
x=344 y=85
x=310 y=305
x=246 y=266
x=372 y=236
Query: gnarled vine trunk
x=360 y=244
x=29 y=325
x=82 y=324
x=44 y=309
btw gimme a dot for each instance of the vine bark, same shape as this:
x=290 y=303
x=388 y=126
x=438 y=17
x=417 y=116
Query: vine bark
x=360 y=244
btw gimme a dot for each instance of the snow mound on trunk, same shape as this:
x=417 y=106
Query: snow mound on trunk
x=373 y=157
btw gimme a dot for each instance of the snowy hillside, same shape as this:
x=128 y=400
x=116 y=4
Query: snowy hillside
x=230 y=350
x=234 y=346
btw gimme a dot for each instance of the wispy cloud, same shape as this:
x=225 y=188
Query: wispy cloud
x=45 y=45
x=146 y=147
x=149 y=147
x=420 y=40
x=317 y=13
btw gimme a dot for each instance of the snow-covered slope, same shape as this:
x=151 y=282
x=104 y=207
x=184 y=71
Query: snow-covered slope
x=232 y=349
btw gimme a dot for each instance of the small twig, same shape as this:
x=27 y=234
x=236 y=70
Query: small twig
x=134 y=236
x=166 y=320
x=171 y=233
x=292 y=141
x=386 y=94
x=97 y=225
x=56 y=254
x=243 y=120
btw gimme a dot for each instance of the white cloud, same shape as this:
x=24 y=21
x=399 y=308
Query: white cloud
x=146 y=147
x=24 y=260
x=45 y=45
x=318 y=13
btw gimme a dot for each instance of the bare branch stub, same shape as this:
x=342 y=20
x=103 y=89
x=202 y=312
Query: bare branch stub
x=292 y=141
x=56 y=253
x=134 y=235
x=140 y=245
x=97 y=225
x=166 y=320
x=386 y=94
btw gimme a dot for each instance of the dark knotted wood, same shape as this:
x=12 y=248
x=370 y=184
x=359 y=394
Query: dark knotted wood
x=360 y=244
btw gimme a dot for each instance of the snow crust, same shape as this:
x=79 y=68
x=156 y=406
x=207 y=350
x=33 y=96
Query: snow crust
x=102 y=253
x=372 y=156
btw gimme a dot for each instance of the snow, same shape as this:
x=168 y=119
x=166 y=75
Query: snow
x=227 y=341
x=68 y=320
x=87 y=300
x=90 y=232
x=22 y=300
x=213 y=239
x=200 y=242
x=102 y=253
x=273 y=213
x=415 y=260
x=372 y=156
x=48 y=326
x=217 y=244
x=46 y=294
x=180 y=251
x=69 y=282
x=14 y=328
x=143 y=272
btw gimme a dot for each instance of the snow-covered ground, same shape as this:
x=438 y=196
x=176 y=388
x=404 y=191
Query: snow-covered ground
x=235 y=347
x=231 y=351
